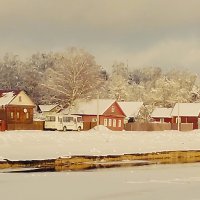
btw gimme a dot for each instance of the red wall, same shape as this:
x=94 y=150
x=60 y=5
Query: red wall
x=114 y=110
x=166 y=120
x=89 y=118
x=22 y=115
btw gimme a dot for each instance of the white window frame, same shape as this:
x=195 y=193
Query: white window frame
x=114 y=122
x=27 y=115
x=18 y=115
x=20 y=98
x=113 y=109
x=119 y=123
x=105 y=122
x=12 y=115
x=94 y=119
x=109 y=122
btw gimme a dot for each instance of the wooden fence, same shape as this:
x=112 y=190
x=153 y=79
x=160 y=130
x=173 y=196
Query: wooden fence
x=36 y=125
x=137 y=126
x=88 y=125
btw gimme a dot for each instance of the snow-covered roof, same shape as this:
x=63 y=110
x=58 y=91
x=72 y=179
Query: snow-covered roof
x=186 y=109
x=47 y=108
x=131 y=109
x=162 y=112
x=89 y=107
x=6 y=96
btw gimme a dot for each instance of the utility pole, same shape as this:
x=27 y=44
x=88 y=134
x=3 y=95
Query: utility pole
x=178 y=120
x=98 y=111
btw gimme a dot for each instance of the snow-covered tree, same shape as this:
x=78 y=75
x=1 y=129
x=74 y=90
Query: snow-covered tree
x=74 y=75
x=120 y=69
x=118 y=88
x=117 y=85
x=146 y=76
x=10 y=68
x=32 y=75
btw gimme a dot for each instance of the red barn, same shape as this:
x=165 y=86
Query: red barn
x=16 y=109
x=188 y=113
x=109 y=112
x=162 y=115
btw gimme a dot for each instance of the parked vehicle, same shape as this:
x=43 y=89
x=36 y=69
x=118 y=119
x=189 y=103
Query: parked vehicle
x=63 y=122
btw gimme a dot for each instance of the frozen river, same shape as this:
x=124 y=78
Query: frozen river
x=154 y=182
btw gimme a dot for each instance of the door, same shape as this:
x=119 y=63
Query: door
x=60 y=124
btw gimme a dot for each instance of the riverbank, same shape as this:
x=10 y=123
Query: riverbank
x=96 y=149
x=76 y=163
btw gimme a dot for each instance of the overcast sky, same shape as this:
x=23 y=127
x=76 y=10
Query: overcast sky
x=163 y=33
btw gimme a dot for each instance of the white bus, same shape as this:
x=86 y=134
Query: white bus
x=63 y=122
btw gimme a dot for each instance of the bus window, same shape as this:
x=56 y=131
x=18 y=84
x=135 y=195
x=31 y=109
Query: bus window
x=71 y=119
x=79 y=119
x=67 y=119
x=50 y=118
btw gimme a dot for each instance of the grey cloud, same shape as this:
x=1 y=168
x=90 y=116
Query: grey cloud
x=143 y=31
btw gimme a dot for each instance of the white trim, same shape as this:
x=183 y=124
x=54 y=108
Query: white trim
x=114 y=122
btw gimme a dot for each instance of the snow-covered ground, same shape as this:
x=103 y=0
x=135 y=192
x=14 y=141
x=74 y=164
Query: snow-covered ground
x=155 y=182
x=22 y=145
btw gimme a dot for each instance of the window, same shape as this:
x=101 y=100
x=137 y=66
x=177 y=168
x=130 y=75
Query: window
x=12 y=115
x=27 y=115
x=114 y=122
x=94 y=119
x=20 y=99
x=79 y=119
x=67 y=119
x=105 y=122
x=113 y=109
x=120 y=123
x=162 y=120
x=18 y=115
x=109 y=122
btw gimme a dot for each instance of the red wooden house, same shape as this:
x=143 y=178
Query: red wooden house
x=110 y=113
x=188 y=113
x=16 y=109
x=162 y=115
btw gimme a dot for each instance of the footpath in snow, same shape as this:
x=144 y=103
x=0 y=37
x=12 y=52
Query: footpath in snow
x=27 y=145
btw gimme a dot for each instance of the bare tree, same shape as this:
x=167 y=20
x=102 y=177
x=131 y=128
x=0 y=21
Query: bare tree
x=74 y=75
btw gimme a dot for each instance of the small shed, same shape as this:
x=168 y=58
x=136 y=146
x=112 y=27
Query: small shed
x=162 y=115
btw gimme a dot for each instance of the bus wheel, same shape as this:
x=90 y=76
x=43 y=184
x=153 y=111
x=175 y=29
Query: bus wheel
x=79 y=128
x=64 y=128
